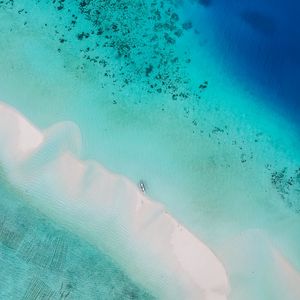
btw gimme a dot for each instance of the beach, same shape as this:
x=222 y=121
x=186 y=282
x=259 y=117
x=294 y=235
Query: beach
x=94 y=203
x=211 y=146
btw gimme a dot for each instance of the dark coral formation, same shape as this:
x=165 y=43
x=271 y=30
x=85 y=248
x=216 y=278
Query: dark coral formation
x=130 y=43
x=140 y=35
x=259 y=21
x=125 y=42
x=287 y=184
x=205 y=2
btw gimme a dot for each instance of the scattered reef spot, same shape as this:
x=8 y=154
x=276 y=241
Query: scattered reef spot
x=187 y=25
x=259 y=21
x=205 y=3
x=287 y=184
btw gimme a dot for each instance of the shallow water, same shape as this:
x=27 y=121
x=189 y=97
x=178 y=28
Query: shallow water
x=177 y=104
x=41 y=260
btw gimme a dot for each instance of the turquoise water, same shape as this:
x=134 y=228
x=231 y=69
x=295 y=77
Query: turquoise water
x=41 y=260
x=154 y=99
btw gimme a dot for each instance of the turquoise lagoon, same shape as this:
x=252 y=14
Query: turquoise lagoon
x=149 y=86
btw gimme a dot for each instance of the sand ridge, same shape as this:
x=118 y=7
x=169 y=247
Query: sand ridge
x=95 y=202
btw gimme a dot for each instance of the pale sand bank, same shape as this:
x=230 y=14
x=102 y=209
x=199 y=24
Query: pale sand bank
x=108 y=210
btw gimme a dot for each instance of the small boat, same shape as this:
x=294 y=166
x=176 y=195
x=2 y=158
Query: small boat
x=142 y=186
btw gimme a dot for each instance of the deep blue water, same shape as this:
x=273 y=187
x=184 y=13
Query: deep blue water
x=260 y=40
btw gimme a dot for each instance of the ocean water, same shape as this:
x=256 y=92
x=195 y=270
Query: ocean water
x=260 y=43
x=198 y=98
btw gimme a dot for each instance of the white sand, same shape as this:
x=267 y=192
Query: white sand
x=18 y=136
x=108 y=210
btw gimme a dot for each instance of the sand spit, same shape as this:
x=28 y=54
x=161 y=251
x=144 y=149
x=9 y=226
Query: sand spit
x=107 y=210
